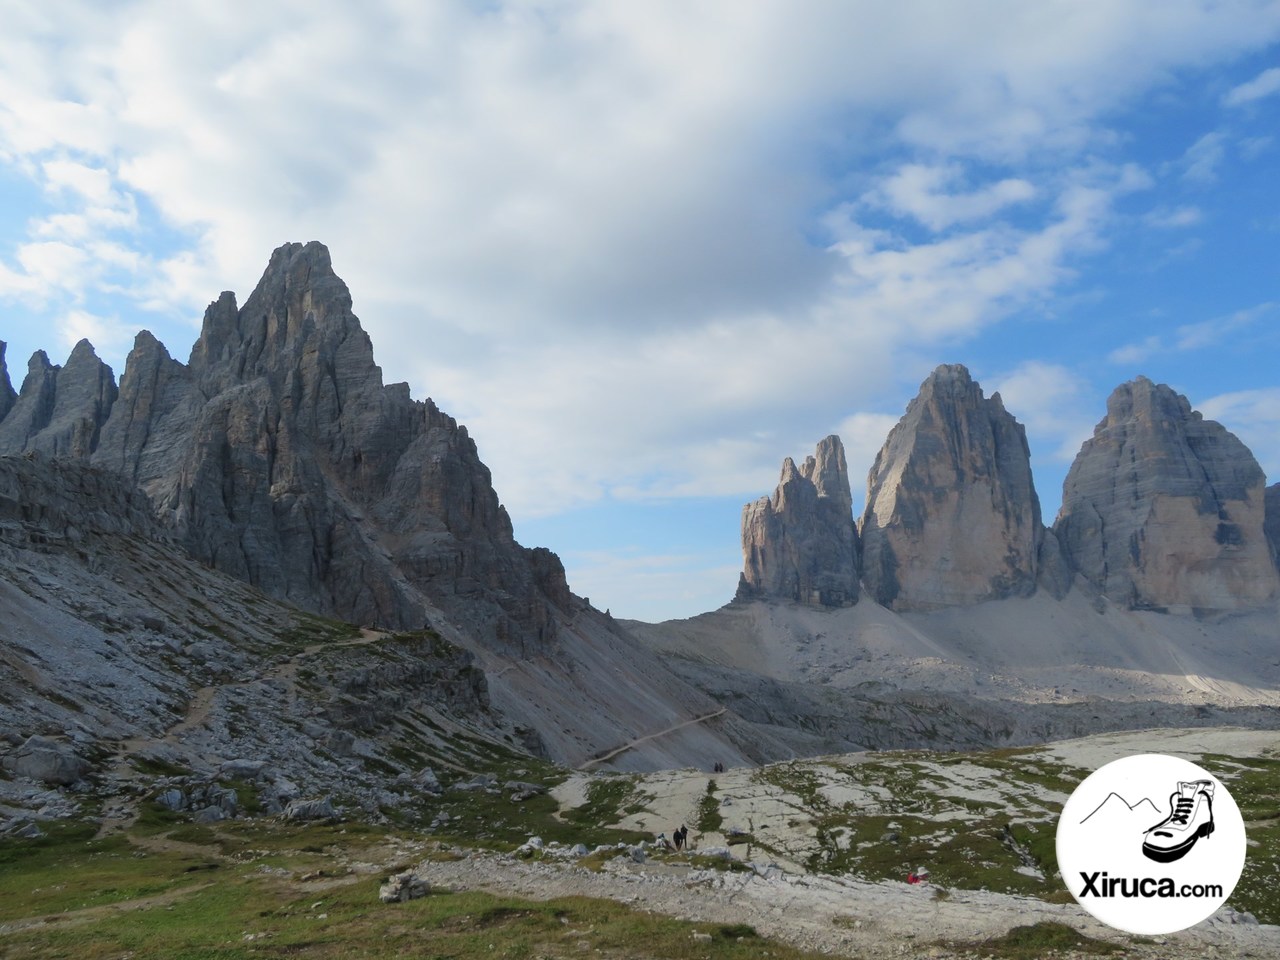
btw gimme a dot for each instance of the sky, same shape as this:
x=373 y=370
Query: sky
x=645 y=251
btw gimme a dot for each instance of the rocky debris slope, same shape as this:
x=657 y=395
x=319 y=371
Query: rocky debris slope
x=1014 y=671
x=952 y=515
x=1162 y=508
x=800 y=544
x=120 y=654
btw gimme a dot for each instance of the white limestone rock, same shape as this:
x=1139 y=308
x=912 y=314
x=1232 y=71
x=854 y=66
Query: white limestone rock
x=800 y=544
x=1163 y=508
x=952 y=516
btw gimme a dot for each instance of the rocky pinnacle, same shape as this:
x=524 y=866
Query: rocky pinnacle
x=800 y=544
x=952 y=516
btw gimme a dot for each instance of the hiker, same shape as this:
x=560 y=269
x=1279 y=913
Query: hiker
x=683 y=843
x=919 y=875
x=663 y=841
x=675 y=836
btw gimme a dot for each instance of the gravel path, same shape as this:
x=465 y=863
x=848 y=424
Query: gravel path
x=828 y=914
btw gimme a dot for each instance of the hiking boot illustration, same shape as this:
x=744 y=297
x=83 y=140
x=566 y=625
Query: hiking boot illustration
x=1190 y=818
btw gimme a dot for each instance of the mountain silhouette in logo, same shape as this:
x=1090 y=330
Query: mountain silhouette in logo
x=1116 y=808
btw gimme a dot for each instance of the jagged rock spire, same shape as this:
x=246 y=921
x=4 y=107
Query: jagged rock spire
x=7 y=394
x=1162 y=507
x=60 y=410
x=801 y=544
x=952 y=516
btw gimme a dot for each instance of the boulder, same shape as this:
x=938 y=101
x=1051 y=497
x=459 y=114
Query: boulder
x=47 y=760
x=313 y=809
x=427 y=781
x=402 y=887
x=242 y=769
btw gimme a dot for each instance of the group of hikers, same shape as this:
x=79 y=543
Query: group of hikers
x=679 y=838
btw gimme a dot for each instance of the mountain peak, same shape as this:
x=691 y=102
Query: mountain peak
x=1164 y=508
x=952 y=516
x=800 y=544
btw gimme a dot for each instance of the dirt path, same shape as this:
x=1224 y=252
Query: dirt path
x=653 y=736
x=70 y=918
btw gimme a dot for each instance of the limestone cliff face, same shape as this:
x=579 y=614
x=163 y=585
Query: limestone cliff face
x=305 y=474
x=277 y=454
x=800 y=544
x=60 y=410
x=1164 y=508
x=8 y=396
x=1272 y=520
x=952 y=515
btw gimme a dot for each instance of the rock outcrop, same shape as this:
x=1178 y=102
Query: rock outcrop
x=46 y=760
x=1163 y=508
x=801 y=544
x=277 y=455
x=280 y=457
x=952 y=515
x=60 y=410
x=8 y=396
x=1271 y=520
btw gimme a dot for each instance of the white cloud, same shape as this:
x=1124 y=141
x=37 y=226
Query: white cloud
x=1210 y=333
x=1174 y=218
x=1254 y=417
x=1136 y=353
x=1206 y=334
x=1264 y=84
x=597 y=237
x=1051 y=401
x=1251 y=148
x=109 y=335
x=922 y=192
x=1202 y=158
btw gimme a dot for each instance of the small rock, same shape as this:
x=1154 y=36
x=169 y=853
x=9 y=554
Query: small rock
x=321 y=809
x=402 y=887
x=242 y=769
x=427 y=781
x=172 y=799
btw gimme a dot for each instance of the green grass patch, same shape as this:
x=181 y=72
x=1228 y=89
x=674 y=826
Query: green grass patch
x=252 y=914
x=494 y=821
x=710 y=820
x=1039 y=939
x=157 y=767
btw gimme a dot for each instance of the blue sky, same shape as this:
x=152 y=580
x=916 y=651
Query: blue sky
x=645 y=251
